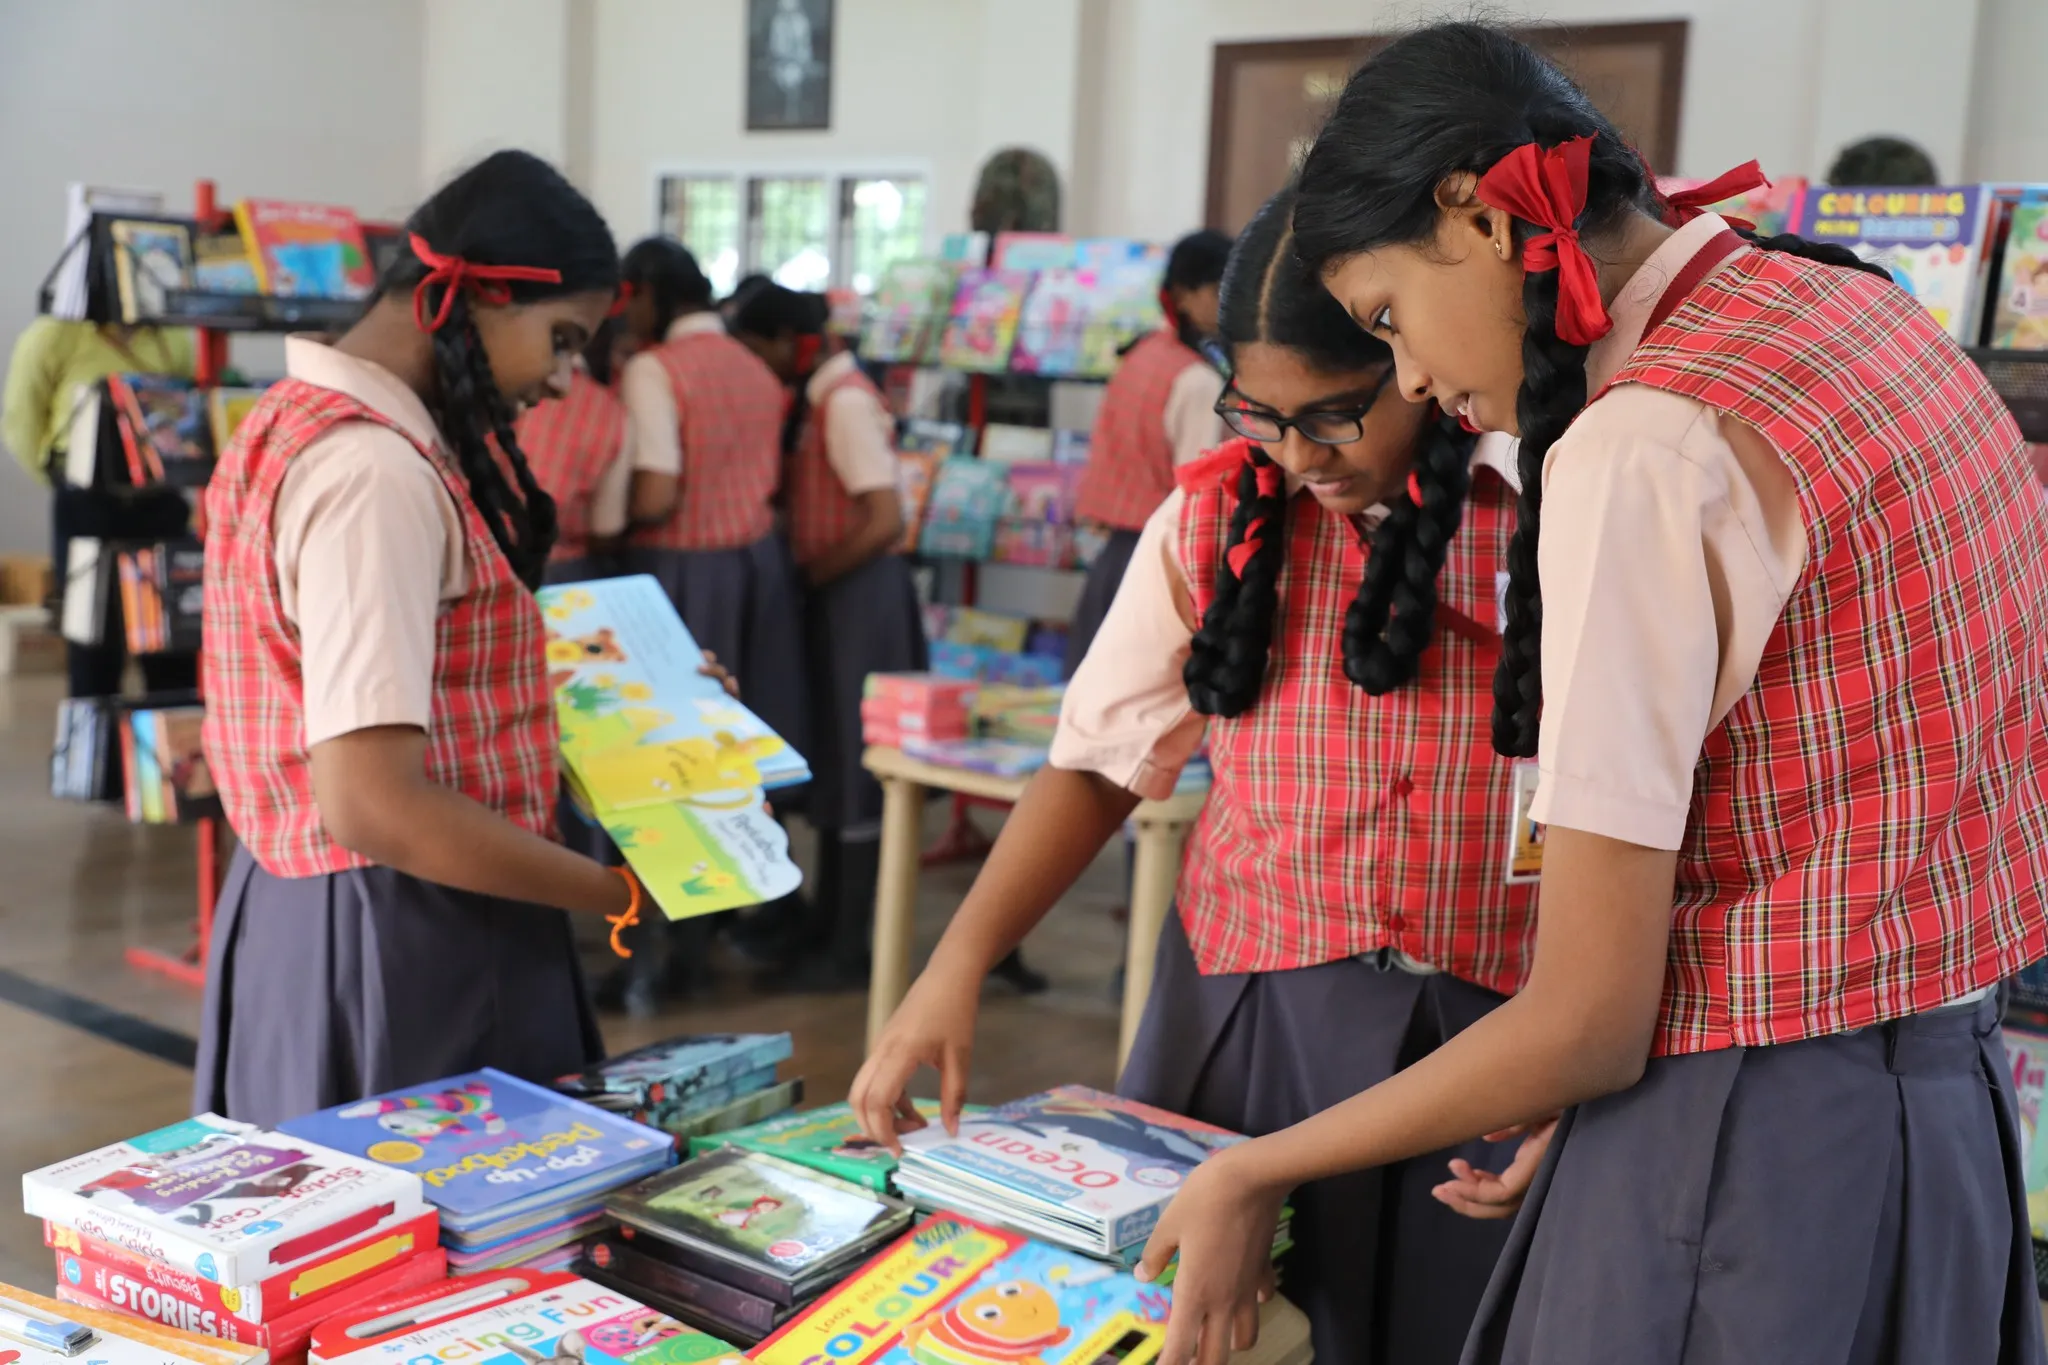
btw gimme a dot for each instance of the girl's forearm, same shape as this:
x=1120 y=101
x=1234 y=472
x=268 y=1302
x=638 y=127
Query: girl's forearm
x=1581 y=1028
x=1058 y=826
x=439 y=835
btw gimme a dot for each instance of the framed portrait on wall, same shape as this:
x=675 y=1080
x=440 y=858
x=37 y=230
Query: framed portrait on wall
x=789 y=65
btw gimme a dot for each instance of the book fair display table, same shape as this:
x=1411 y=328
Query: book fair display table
x=1162 y=827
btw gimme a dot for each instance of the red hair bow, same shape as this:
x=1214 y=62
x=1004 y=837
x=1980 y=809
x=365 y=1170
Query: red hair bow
x=1547 y=186
x=491 y=282
x=623 y=301
x=1687 y=205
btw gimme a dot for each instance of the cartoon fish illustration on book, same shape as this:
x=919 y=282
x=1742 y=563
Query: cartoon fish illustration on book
x=423 y=1118
x=1012 y=1323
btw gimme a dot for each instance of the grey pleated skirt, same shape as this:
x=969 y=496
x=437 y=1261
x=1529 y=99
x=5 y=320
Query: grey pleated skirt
x=1105 y=576
x=1385 y=1273
x=745 y=606
x=866 y=622
x=1849 y=1200
x=322 y=990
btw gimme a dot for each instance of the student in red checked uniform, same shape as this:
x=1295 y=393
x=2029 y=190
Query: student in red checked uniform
x=706 y=419
x=578 y=448
x=860 y=616
x=1772 y=631
x=1158 y=412
x=379 y=719
x=1319 y=599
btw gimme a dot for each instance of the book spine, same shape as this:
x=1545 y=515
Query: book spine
x=155 y=1293
x=222 y=1264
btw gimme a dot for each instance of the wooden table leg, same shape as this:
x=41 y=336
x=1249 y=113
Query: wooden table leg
x=1153 y=876
x=895 y=900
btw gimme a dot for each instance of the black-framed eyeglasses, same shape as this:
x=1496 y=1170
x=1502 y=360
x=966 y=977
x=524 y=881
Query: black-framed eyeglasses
x=1327 y=427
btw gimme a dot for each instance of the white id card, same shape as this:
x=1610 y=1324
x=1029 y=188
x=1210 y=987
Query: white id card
x=1525 y=836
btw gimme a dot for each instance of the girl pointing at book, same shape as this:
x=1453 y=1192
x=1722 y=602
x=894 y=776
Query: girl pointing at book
x=1317 y=598
x=1772 y=629
x=379 y=718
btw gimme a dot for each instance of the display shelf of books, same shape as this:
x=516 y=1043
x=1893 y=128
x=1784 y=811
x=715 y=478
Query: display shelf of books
x=265 y=266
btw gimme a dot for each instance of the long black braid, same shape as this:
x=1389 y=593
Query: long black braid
x=471 y=414
x=1454 y=99
x=1269 y=297
x=510 y=209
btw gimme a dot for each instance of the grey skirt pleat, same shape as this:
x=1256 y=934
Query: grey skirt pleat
x=1385 y=1273
x=1850 y=1200
x=322 y=990
x=865 y=622
x=745 y=606
x=1098 y=590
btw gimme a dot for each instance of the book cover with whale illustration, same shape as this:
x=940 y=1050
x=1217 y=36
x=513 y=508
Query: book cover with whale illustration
x=1089 y=1169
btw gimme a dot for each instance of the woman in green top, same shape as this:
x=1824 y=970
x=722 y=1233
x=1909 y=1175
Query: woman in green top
x=55 y=362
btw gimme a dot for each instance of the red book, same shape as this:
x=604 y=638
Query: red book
x=118 y=1289
x=344 y=1269
x=306 y=250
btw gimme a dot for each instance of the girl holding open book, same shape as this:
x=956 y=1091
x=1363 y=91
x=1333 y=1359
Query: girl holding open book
x=1158 y=412
x=1773 y=631
x=1318 y=598
x=861 y=614
x=379 y=718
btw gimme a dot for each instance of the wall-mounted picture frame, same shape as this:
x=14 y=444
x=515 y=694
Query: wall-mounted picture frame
x=789 y=65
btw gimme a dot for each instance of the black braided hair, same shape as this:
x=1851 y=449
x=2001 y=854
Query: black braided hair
x=662 y=270
x=1453 y=99
x=511 y=209
x=1269 y=297
x=769 y=313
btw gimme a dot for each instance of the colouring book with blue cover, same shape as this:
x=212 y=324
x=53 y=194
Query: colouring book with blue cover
x=490 y=1147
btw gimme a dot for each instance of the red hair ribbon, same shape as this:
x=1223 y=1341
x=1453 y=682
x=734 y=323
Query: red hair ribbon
x=809 y=347
x=1547 y=186
x=1170 y=309
x=1687 y=205
x=1266 y=475
x=491 y=282
x=1218 y=469
x=1414 y=488
x=623 y=301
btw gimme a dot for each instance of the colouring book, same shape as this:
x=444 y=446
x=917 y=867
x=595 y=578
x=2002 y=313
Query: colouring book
x=673 y=768
x=489 y=1146
x=1931 y=240
x=955 y=1293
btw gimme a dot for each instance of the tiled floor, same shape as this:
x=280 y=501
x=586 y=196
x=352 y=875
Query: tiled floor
x=78 y=886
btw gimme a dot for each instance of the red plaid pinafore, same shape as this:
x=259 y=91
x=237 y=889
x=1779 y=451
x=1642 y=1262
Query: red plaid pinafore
x=571 y=442
x=1341 y=823
x=821 y=512
x=731 y=406
x=492 y=736
x=1130 y=461
x=1868 y=836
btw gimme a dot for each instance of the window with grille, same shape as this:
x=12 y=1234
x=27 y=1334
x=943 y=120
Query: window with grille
x=703 y=213
x=808 y=232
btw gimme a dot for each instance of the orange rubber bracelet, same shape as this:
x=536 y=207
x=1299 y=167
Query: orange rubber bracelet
x=622 y=922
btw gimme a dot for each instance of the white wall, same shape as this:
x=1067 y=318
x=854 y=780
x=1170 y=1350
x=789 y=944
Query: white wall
x=269 y=97
x=2008 y=134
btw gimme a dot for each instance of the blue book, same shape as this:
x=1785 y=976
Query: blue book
x=491 y=1148
x=677 y=1069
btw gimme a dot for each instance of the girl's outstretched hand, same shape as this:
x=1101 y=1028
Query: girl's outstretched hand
x=1482 y=1194
x=1221 y=1225
x=934 y=1026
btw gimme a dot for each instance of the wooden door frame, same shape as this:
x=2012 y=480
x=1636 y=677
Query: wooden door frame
x=1668 y=34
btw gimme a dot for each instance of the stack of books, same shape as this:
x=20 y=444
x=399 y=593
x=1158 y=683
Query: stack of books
x=896 y=708
x=736 y=1242
x=516 y=1316
x=827 y=1139
x=956 y=1290
x=688 y=1087
x=518 y=1171
x=1077 y=1167
x=41 y=1331
x=231 y=1231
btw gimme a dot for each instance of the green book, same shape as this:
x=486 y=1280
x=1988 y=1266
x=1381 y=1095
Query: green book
x=827 y=1139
